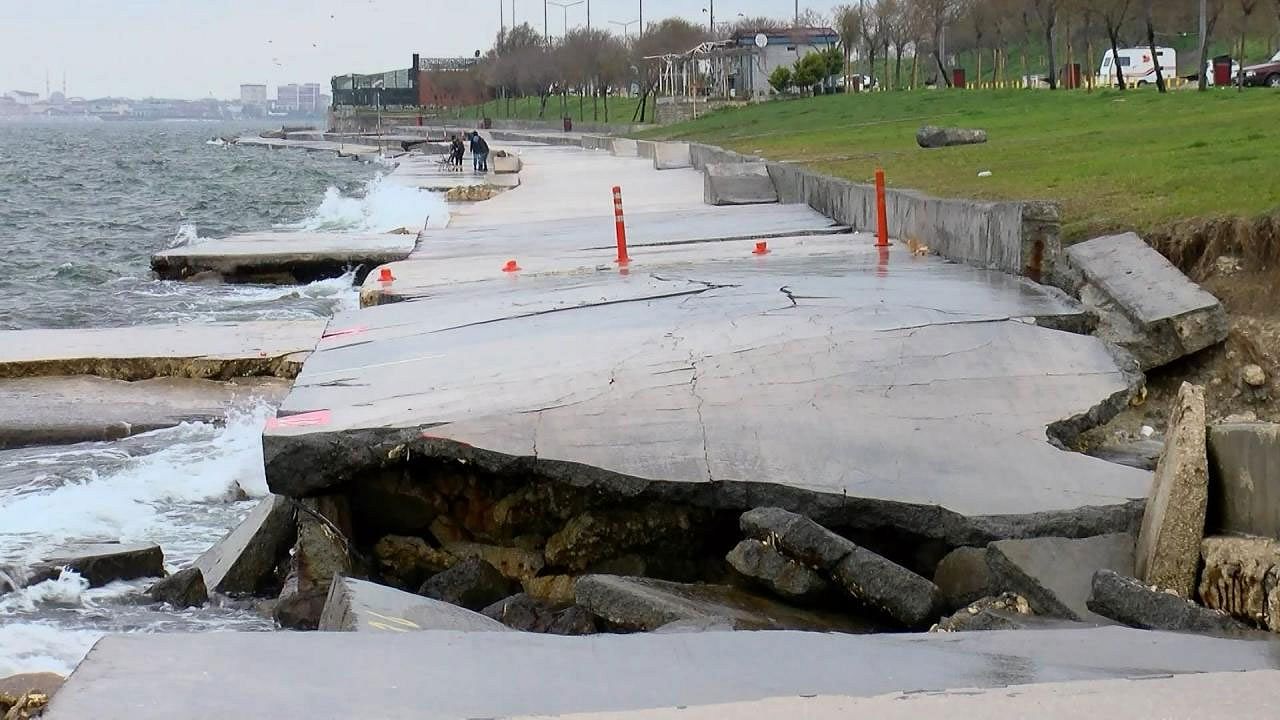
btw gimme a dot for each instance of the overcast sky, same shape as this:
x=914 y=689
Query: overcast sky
x=199 y=48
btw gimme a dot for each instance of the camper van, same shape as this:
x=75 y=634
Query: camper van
x=1137 y=67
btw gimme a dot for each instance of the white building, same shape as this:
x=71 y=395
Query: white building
x=22 y=97
x=252 y=94
x=782 y=48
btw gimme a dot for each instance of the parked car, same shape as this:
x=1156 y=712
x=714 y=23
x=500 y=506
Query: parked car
x=1137 y=66
x=1266 y=74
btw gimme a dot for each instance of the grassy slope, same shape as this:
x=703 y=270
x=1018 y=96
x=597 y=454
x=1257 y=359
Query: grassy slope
x=1115 y=161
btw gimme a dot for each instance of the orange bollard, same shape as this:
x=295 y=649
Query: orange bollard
x=762 y=248
x=385 y=275
x=511 y=266
x=620 y=226
x=882 y=215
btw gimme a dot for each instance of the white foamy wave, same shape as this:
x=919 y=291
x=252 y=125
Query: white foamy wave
x=185 y=235
x=65 y=590
x=42 y=647
x=384 y=206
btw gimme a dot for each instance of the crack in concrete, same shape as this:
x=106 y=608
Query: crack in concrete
x=584 y=306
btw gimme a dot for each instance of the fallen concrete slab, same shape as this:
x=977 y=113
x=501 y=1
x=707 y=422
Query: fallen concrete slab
x=737 y=184
x=1147 y=305
x=56 y=410
x=1055 y=574
x=149 y=677
x=102 y=563
x=361 y=606
x=1244 y=479
x=780 y=574
x=244 y=562
x=283 y=257
x=1128 y=601
x=342 y=149
x=218 y=351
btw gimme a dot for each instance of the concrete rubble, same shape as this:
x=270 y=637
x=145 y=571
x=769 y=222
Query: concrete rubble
x=963 y=576
x=523 y=612
x=361 y=606
x=1055 y=574
x=182 y=589
x=1129 y=602
x=737 y=184
x=777 y=572
x=245 y=561
x=1241 y=577
x=1006 y=611
x=101 y=563
x=282 y=257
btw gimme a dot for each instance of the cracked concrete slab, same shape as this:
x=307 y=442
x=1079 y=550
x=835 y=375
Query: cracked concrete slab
x=283 y=257
x=501 y=674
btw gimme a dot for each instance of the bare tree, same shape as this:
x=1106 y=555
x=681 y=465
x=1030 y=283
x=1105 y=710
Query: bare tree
x=980 y=19
x=941 y=13
x=848 y=23
x=1246 y=10
x=1047 y=11
x=885 y=12
x=1151 y=42
x=871 y=34
x=899 y=35
x=1210 y=10
x=1114 y=13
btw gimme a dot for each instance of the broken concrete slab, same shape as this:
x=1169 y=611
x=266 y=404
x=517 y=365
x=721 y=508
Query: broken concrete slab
x=671 y=156
x=182 y=589
x=737 y=184
x=321 y=553
x=1147 y=305
x=218 y=351
x=631 y=603
x=1055 y=574
x=284 y=257
x=102 y=563
x=931 y=136
x=244 y=562
x=1168 y=550
x=154 y=676
x=362 y=606
x=504 y=162
x=1140 y=454
x=1244 y=479
x=56 y=410
x=963 y=577
x=1242 y=578
x=782 y=575
x=870 y=578
x=529 y=614
x=1126 y=600
x=471 y=583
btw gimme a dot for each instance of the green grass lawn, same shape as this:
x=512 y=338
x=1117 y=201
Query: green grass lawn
x=621 y=109
x=1134 y=160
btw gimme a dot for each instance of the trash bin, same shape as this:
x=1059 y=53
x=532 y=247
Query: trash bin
x=1222 y=70
x=1071 y=79
x=487 y=123
x=957 y=78
x=568 y=124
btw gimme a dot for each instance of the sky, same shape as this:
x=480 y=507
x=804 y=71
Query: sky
x=207 y=48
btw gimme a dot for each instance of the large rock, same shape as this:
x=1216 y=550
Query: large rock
x=1129 y=602
x=646 y=604
x=931 y=136
x=1007 y=611
x=1054 y=574
x=1244 y=479
x=870 y=578
x=963 y=577
x=779 y=573
x=515 y=563
x=522 y=612
x=320 y=554
x=1144 y=303
x=407 y=562
x=472 y=583
x=45 y=683
x=557 y=589
x=1168 y=551
x=671 y=156
x=102 y=563
x=737 y=184
x=598 y=535
x=244 y=562
x=1242 y=578
x=182 y=589
x=359 y=605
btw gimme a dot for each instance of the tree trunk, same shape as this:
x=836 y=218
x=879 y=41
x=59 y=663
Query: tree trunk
x=888 y=83
x=1088 y=51
x=915 y=69
x=1071 y=74
x=1203 y=83
x=1114 y=34
x=1240 y=75
x=1026 y=68
x=605 y=92
x=1155 y=56
x=897 y=68
x=1048 y=41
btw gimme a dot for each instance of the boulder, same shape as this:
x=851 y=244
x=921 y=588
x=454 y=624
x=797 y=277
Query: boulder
x=782 y=575
x=102 y=563
x=671 y=156
x=1007 y=611
x=1144 y=303
x=1055 y=574
x=1244 y=479
x=244 y=562
x=963 y=577
x=522 y=612
x=1242 y=578
x=557 y=589
x=407 y=562
x=472 y=583
x=182 y=589
x=515 y=563
x=632 y=604
x=1168 y=552
x=1129 y=602
x=44 y=683
x=298 y=609
x=361 y=606
x=870 y=578
x=931 y=136
x=737 y=184
x=598 y=535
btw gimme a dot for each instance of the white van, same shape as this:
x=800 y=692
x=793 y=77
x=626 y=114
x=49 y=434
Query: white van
x=1137 y=67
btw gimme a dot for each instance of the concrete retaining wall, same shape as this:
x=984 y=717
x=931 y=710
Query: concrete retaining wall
x=645 y=148
x=702 y=155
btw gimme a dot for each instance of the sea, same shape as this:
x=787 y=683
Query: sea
x=82 y=208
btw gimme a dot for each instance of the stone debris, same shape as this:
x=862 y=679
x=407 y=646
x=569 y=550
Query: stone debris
x=1006 y=611
x=358 y=605
x=1127 y=601
x=737 y=184
x=963 y=577
x=517 y=564
x=870 y=578
x=522 y=612
x=1168 y=550
x=596 y=536
x=102 y=563
x=1244 y=479
x=557 y=589
x=1143 y=454
x=182 y=589
x=1054 y=574
x=1253 y=375
x=407 y=562
x=782 y=575
x=471 y=583
x=471 y=193
x=320 y=554
x=1242 y=578
x=245 y=561
x=931 y=136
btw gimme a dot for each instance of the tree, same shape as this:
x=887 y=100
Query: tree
x=872 y=35
x=940 y=13
x=1151 y=42
x=1210 y=10
x=1246 y=9
x=848 y=23
x=780 y=79
x=1114 y=13
x=898 y=34
x=1047 y=10
x=809 y=71
x=980 y=19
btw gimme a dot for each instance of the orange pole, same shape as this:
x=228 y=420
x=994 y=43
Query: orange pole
x=882 y=215
x=621 y=227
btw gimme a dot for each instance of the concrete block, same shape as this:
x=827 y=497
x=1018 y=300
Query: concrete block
x=737 y=184
x=102 y=563
x=623 y=147
x=1168 y=552
x=779 y=573
x=243 y=562
x=1146 y=304
x=1129 y=602
x=362 y=606
x=1244 y=479
x=1242 y=578
x=931 y=136
x=646 y=148
x=503 y=161
x=671 y=156
x=1054 y=574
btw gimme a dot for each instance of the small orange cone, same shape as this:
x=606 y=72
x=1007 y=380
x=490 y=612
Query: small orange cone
x=385 y=275
x=762 y=248
x=511 y=266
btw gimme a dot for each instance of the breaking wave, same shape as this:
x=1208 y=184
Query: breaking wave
x=383 y=206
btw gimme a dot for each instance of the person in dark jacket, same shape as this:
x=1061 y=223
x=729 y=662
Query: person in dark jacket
x=480 y=149
x=457 y=149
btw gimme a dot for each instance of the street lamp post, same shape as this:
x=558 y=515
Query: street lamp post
x=624 y=24
x=565 y=6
